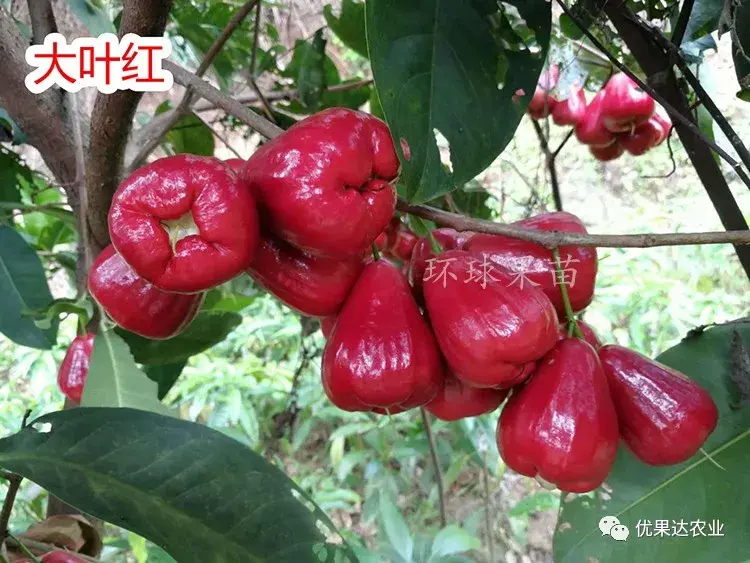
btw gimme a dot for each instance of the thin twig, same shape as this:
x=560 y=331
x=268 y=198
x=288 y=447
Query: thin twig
x=221 y=100
x=187 y=98
x=487 y=506
x=552 y=239
x=256 y=29
x=549 y=160
x=564 y=142
x=14 y=483
x=436 y=465
x=674 y=114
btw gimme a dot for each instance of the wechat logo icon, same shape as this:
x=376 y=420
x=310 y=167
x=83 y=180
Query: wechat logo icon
x=610 y=526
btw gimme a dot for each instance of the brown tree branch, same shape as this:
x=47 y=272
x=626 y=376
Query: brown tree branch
x=175 y=114
x=549 y=160
x=204 y=89
x=42 y=20
x=111 y=122
x=553 y=239
x=39 y=116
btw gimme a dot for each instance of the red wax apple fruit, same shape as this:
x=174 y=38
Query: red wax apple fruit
x=534 y=264
x=542 y=101
x=381 y=352
x=135 y=304
x=457 y=400
x=490 y=330
x=422 y=254
x=313 y=285
x=561 y=425
x=571 y=110
x=71 y=377
x=184 y=223
x=590 y=130
x=610 y=152
x=625 y=106
x=644 y=137
x=326 y=184
x=664 y=416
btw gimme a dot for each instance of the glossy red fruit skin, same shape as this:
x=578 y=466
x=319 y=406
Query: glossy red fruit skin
x=326 y=326
x=561 y=425
x=590 y=129
x=625 y=106
x=235 y=164
x=325 y=184
x=642 y=138
x=178 y=187
x=456 y=400
x=665 y=417
x=536 y=262
x=404 y=245
x=449 y=239
x=315 y=286
x=542 y=102
x=135 y=304
x=605 y=154
x=71 y=377
x=60 y=557
x=487 y=332
x=662 y=118
x=571 y=110
x=381 y=352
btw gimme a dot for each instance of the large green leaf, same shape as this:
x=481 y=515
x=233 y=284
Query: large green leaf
x=206 y=330
x=701 y=489
x=10 y=129
x=350 y=25
x=10 y=190
x=165 y=375
x=448 y=72
x=23 y=287
x=114 y=379
x=200 y=495
x=190 y=135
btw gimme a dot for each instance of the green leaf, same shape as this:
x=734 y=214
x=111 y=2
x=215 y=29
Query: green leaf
x=11 y=169
x=349 y=26
x=701 y=489
x=220 y=300
x=452 y=540
x=190 y=135
x=435 y=66
x=206 y=330
x=165 y=375
x=200 y=495
x=704 y=19
x=741 y=47
x=92 y=17
x=23 y=287
x=12 y=130
x=115 y=381
x=311 y=79
x=543 y=500
x=396 y=530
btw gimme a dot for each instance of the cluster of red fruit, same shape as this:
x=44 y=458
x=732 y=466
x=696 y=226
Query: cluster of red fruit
x=464 y=321
x=620 y=118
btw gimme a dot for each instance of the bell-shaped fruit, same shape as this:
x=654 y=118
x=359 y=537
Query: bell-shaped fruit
x=313 y=285
x=457 y=400
x=590 y=129
x=381 y=352
x=184 y=223
x=561 y=425
x=489 y=328
x=664 y=416
x=404 y=245
x=625 y=106
x=543 y=102
x=135 y=304
x=422 y=254
x=71 y=377
x=644 y=137
x=326 y=184
x=571 y=110
x=534 y=264
x=610 y=152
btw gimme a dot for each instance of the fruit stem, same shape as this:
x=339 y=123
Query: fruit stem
x=437 y=248
x=375 y=251
x=573 y=328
